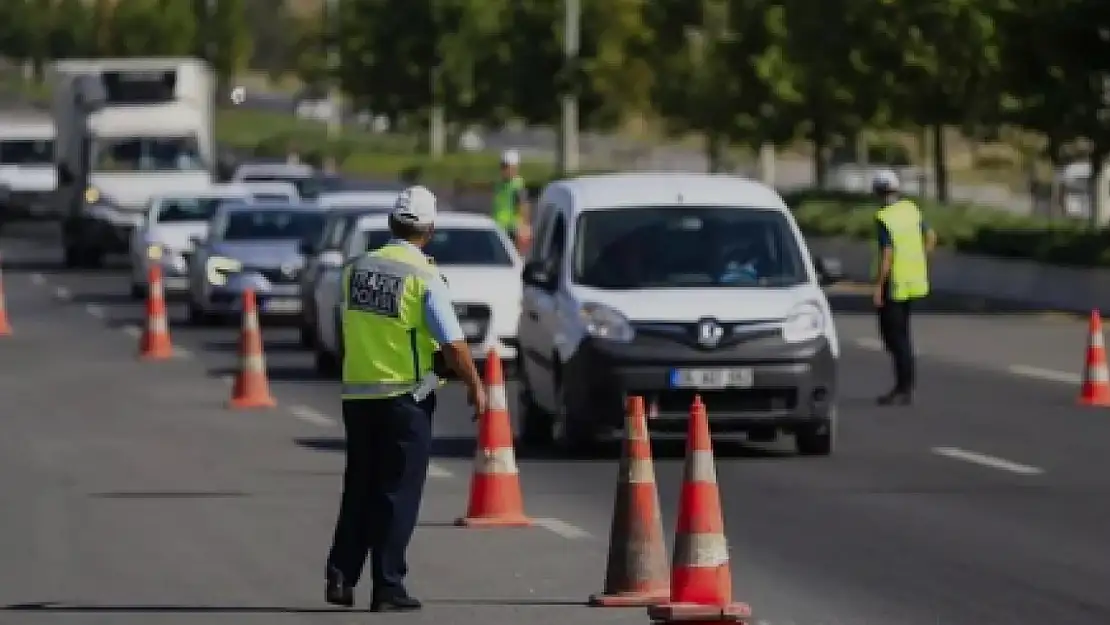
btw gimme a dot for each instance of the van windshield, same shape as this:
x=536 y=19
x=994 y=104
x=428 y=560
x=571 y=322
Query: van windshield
x=26 y=152
x=686 y=247
x=120 y=154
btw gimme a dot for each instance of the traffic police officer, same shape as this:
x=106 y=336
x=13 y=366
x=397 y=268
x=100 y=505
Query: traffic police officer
x=396 y=312
x=901 y=277
x=510 y=199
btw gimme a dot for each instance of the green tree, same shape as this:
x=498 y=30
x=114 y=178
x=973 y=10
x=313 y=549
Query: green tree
x=223 y=37
x=152 y=27
x=22 y=26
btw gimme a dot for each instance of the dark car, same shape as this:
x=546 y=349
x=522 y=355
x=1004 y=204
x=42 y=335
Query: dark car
x=346 y=210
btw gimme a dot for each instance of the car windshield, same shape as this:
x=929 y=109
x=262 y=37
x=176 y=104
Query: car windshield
x=189 y=209
x=146 y=154
x=308 y=188
x=686 y=247
x=26 y=152
x=262 y=224
x=456 y=246
x=270 y=197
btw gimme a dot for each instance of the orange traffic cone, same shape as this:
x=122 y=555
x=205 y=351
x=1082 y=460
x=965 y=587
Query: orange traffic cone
x=636 y=574
x=252 y=389
x=701 y=581
x=1096 y=375
x=495 y=495
x=155 y=342
x=5 y=326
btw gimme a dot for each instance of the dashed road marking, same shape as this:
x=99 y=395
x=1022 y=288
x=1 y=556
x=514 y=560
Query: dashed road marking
x=38 y=279
x=308 y=415
x=561 y=528
x=1048 y=375
x=94 y=310
x=984 y=460
x=132 y=331
x=438 y=472
x=869 y=343
x=62 y=293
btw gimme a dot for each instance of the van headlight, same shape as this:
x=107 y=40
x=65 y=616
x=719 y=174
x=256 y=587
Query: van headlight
x=604 y=322
x=804 y=323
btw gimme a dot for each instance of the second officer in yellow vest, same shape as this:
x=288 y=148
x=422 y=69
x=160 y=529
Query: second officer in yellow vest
x=396 y=315
x=901 y=277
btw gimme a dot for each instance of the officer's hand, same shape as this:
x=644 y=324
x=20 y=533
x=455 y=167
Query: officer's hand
x=877 y=298
x=476 y=397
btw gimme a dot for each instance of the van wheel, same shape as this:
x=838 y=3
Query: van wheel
x=138 y=292
x=308 y=336
x=327 y=365
x=535 y=424
x=815 y=440
x=571 y=436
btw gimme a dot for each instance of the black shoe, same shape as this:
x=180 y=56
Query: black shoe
x=395 y=603
x=338 y=591
x=895 y=398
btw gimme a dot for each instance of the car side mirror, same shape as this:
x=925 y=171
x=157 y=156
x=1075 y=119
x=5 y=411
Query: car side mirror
x=536 y=274
x=331 y=259
x=829 y=270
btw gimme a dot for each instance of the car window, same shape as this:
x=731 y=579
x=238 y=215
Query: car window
x=556 y=248
x=456 y=246
x=271 y=197
x=547 y=215
x=173 y=210
x=262 y=224
x=308 y=188
x=26 y=152
x=686 y=247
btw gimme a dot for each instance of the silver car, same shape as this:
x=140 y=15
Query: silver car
x=255 y=246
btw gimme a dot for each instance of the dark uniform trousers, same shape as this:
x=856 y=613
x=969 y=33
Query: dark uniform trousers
x=388 y=447
x=894 y=329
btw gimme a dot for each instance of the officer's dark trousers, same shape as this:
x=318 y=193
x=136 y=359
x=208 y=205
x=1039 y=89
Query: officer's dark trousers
x=894 y=328
x=388 y=443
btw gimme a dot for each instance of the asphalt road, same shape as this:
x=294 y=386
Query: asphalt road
x=130 y=495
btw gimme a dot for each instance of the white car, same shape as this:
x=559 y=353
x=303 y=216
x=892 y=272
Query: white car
x=272 y=191
x=478 y=261
x=356 y=199
x=168 y=231
x=672 y=286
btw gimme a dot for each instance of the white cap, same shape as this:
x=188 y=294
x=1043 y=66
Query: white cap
x=885 y=180
x=510 y=157
x=416 y=206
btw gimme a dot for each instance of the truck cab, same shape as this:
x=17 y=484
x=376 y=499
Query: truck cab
x=128 y=129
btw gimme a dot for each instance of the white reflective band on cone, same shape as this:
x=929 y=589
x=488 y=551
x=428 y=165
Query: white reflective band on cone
x=499 y=461
x=700 y=550
x=498 y=399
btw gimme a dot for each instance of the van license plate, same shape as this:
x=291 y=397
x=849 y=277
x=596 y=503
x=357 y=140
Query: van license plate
x=282 y=305
x=712 y=378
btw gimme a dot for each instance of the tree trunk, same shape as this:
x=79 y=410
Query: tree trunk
x=820 y=141
x=940 y=163
x=1096 y=188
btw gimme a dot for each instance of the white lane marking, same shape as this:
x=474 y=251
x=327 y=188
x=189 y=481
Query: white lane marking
x=228 y=379
x=181 y=352
x=1048 y=375
x=438 y=472
x=94 y=310
x=308 y=415
x=132 y=331
x=871 y=344
x=38 y=279
x=62 y=293
x=984 y=460
x=561 y=528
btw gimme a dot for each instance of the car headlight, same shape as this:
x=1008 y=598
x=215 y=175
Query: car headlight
x=218 y=268
x=604 y=322
x=155 y=251
x=804 y=323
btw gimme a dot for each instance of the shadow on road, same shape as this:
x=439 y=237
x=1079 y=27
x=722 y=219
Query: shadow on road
x=934 y=304
x=276 y=373
x=232 y=347
x=179 y=494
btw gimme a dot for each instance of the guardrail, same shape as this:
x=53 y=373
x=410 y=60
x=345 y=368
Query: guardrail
x=1019 y=281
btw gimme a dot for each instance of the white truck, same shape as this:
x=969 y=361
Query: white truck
x=27 y=175
x=127 y=130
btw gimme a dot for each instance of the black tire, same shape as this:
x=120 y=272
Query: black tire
x=815 y=440
x=535 y=424
x=197 y=315
x=138 y=292
x=572 y=437
x=73 y=258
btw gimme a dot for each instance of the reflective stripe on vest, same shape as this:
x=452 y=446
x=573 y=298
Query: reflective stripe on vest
x=506 y=209
x=909 y=273
x=387 y=345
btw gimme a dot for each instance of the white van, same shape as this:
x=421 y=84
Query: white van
x=669 y=286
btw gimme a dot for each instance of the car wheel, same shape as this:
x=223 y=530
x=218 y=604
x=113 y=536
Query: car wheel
x=817 y=439
x=72 y=257
x=572 y=436
x=198 y=316
x=138 y=291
